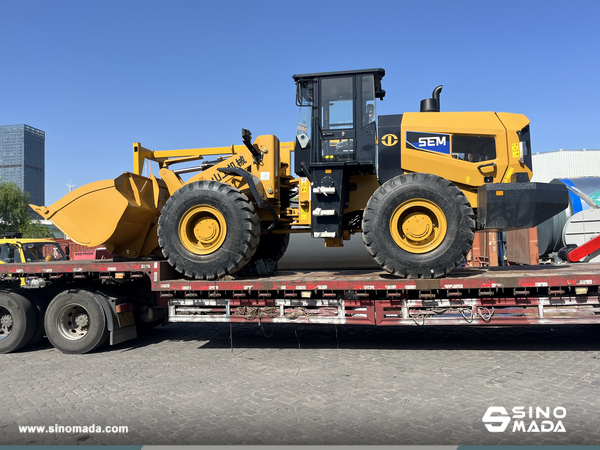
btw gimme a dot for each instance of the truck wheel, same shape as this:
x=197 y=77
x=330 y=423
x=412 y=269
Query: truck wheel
x=271 y=246
x=39 y=301
x=75 y=322
x=208 y=229
x=17 y=322
x=418 y=226
x=39 y=307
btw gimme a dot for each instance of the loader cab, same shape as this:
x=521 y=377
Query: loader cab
x=335 y=139
x=337 y=120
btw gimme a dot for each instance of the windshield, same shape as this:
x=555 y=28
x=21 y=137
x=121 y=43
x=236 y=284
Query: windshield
x=43 y=251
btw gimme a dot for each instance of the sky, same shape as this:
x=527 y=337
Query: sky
x=97 y=76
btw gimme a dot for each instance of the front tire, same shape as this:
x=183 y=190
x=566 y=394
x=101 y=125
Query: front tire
x=418 y=226
x=208 y=229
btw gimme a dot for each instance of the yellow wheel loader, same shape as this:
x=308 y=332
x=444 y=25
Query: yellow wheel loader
x=417 y=185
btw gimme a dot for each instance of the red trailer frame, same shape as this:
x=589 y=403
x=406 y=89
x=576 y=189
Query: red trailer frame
x=494 y=296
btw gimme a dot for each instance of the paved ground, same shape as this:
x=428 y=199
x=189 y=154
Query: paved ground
x=183 y=385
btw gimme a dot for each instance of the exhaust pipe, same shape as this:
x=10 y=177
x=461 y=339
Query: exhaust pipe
x=432 y=104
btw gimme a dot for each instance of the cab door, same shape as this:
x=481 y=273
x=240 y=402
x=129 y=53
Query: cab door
x=337 y=119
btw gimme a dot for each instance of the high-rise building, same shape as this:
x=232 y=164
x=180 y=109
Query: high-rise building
x=22 y=151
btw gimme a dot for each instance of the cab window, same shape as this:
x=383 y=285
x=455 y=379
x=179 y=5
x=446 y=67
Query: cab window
x=472 y=148
x=4 y=253
x=42 y=251
x=17 y=255
x=337 y=100
x=368 y=98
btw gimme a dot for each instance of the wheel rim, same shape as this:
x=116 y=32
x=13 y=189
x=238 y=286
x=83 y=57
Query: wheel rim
x=73 y=322
x=202 y=229
x=6 y=323
x=418 y=226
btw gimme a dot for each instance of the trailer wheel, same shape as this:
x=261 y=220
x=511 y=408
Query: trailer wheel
x=208 y=229
x=17 y=322
x=418 y=226
x=39 y=301
x=75 y=322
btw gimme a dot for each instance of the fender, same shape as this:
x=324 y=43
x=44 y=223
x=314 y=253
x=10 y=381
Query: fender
x=254 y=184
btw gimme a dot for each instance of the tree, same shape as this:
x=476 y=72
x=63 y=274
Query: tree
x=14 y=213
x=14 y=204
x=35 y=230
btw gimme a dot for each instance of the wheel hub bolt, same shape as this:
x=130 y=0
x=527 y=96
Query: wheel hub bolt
x=6 y=321
x=417 y=226
x=82 y=320
x=207 y=230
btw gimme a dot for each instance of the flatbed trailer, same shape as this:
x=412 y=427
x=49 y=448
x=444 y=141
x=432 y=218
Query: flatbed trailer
x=84 y=303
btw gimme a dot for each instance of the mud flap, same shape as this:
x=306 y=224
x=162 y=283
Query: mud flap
x=118 y=334
x=512 y=206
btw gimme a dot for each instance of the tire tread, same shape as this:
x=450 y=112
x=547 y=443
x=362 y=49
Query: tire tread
x=394 y=260
x=233 y=259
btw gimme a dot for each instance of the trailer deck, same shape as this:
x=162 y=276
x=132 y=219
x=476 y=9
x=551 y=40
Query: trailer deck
x=515 y=295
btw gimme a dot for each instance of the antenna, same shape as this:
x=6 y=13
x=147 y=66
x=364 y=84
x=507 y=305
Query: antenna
x=70 y=186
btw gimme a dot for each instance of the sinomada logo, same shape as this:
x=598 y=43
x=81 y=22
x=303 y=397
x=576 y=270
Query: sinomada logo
x=532 y=419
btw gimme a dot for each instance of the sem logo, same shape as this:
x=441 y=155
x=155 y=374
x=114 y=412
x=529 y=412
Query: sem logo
x=434 y=142
x=389 y=140
x=497 y=419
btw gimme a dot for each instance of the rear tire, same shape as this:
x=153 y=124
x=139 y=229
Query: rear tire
x=39 y=301
x=17 y=322
x=208 y=229
x=418 y=226
x=75 y=322
x=271 y=246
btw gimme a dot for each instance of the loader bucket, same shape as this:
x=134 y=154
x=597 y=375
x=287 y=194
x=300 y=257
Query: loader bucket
x=121 y=214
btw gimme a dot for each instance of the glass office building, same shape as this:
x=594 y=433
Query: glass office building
x=22 y=151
